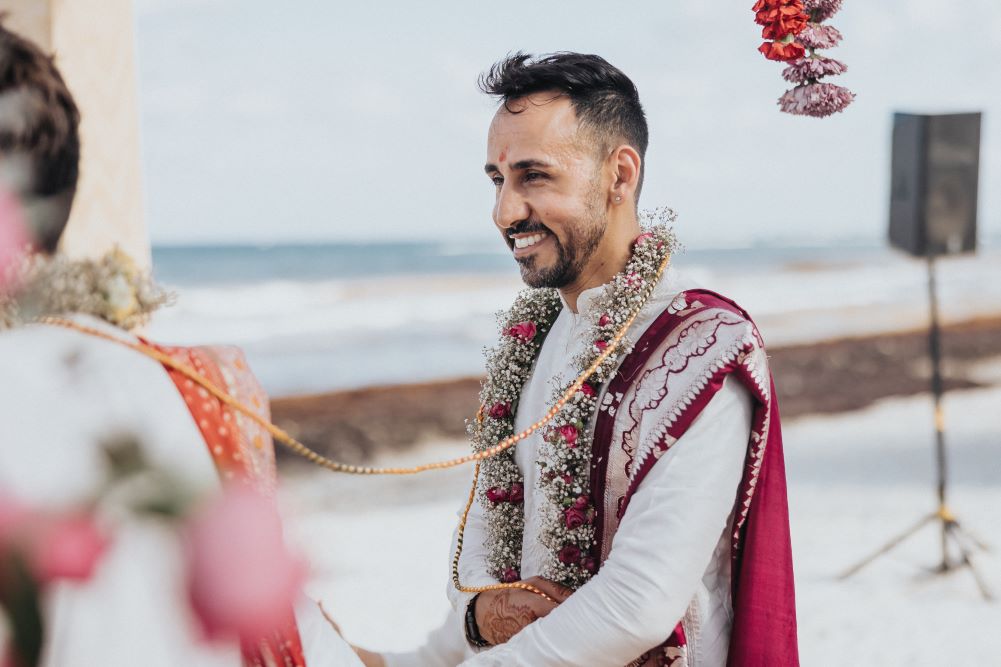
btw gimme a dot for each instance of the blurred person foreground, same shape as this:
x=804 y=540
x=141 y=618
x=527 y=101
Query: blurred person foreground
x=137 y=514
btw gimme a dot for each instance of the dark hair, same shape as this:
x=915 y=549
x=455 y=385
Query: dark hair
x=604 y=99
x=39 y=140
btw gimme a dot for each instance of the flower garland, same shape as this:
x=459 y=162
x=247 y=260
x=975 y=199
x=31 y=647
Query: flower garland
x=112 y=288
x=565 y=456
x=796 y=30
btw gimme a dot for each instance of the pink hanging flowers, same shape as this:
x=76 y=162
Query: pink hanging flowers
x=795 y=26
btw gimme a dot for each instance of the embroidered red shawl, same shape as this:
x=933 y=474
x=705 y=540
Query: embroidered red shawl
x=703 y=337
x=241 y=450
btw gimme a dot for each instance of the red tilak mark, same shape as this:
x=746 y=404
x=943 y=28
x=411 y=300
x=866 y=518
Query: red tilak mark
x=503 y=155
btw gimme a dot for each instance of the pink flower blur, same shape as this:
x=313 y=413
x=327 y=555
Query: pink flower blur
x=816 y=99
x=811 y=69
x=12 y=517
x=816 y=36
x=67 y=548
x=14 y=236
x=821 y=10
x=242 y=580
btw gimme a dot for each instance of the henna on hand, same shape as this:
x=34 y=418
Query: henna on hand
x=505 y=617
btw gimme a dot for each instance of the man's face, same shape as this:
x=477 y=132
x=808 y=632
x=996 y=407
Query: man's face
x=550 y=204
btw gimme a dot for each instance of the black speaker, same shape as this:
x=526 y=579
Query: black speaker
x=933 y=187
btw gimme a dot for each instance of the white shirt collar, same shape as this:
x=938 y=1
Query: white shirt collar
x=585 y=301
x=670 y=284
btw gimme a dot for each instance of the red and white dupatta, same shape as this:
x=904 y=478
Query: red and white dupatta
x=701 y=339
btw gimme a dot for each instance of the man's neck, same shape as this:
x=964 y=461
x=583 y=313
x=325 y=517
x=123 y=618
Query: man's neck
x=611 y=257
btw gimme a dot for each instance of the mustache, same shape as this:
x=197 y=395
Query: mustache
x=526 y=227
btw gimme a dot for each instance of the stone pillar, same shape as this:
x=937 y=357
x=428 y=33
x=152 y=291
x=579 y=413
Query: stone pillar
x=94 y=45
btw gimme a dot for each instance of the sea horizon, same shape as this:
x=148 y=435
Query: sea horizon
x=314 y=317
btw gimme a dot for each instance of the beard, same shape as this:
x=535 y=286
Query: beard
x=572 y=256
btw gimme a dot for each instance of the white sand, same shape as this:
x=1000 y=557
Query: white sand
x=380 y=547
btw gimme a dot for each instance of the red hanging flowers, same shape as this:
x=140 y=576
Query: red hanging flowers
x=782 y=20
x=782 y=51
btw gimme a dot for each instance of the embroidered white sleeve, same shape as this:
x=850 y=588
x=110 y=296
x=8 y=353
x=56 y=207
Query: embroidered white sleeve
x=659 y=554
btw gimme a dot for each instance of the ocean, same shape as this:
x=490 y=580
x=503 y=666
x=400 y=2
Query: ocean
x=325 y=316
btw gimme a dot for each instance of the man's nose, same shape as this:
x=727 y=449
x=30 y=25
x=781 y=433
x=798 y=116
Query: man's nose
x=510 y=208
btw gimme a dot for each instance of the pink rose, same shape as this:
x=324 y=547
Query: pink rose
x=588 y=390
x=67 y=548
x=497 y=495
x=574 y=518
x=601 y=345
x=500 y=410
x=604 y=320
x=12 y=516
x=643 y=238
x=589 y=564
x=517 y=493
x=580 y=502
x=523 y=331
x=242 y=580
x=567 y=478
x=569 y=555
x=510 y=575
x=569 y=433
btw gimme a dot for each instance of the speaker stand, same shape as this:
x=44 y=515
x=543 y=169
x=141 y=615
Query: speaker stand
x=952 y=530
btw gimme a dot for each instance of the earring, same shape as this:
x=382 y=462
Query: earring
x=618 y=198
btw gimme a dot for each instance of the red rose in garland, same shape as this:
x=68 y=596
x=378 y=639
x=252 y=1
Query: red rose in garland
x=523 y=331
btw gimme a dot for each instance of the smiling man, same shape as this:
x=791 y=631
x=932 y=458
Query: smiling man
x=645 y=495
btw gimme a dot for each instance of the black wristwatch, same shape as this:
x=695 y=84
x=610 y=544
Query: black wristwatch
x=473 y=635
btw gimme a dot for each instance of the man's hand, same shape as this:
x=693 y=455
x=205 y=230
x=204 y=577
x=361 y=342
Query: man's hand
x=501 y=614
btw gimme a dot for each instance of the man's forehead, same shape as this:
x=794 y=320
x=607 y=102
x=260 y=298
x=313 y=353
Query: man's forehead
x=543 y=121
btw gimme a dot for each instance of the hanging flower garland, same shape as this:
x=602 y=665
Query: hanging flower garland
x=565 y=456
x=796 y=31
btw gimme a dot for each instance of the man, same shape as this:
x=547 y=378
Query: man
x=65 y=391
x=667 y=543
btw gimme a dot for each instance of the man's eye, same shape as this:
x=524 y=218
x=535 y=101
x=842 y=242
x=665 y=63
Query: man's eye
x=534 y=176
x=497 y=180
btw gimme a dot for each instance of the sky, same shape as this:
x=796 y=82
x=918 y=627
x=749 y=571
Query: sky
x=340 y=121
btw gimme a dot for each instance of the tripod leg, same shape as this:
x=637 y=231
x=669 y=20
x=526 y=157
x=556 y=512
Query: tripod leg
x=952 y=528
x=889 y=546
x=971 y=538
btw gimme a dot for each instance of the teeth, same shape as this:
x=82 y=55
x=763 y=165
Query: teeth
x=527 y=241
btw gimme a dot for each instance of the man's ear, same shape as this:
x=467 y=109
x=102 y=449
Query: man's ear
x=625 y=163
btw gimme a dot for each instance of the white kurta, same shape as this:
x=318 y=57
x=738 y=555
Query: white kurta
x=61 y=393
x=671 y=551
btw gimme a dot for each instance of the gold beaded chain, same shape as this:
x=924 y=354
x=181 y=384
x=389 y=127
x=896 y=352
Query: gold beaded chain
x=322 y=461
x=316 y=458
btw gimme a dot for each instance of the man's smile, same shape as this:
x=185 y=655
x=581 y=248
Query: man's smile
x=526 y=244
